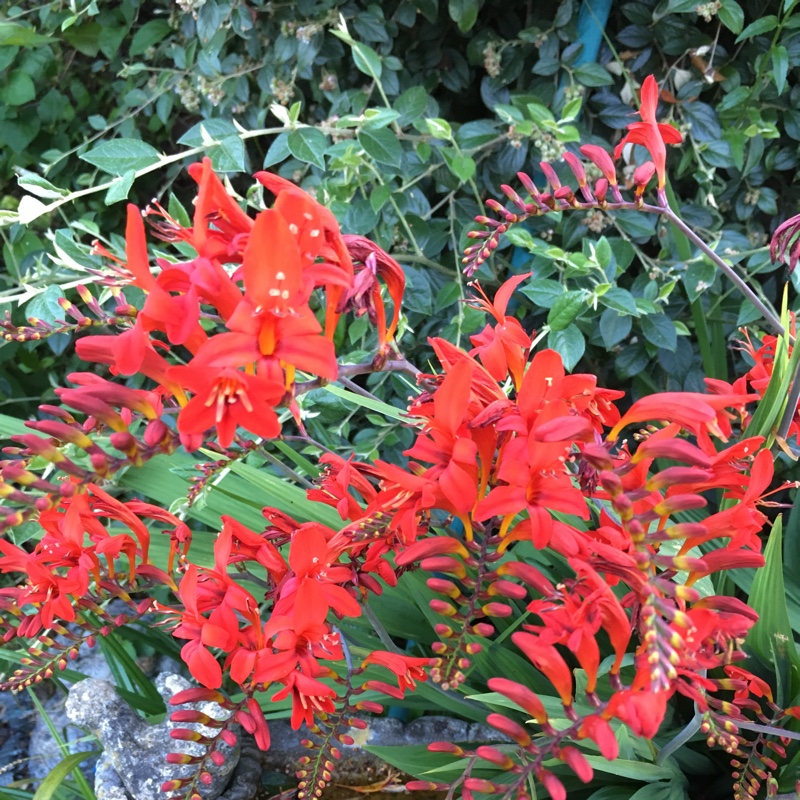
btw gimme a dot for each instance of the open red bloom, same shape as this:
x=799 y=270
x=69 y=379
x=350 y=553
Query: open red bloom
x=649 y=133
x=225 y=399
x=407 y=669
x=503 y=349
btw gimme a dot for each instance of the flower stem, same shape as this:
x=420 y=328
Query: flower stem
x=768 y=314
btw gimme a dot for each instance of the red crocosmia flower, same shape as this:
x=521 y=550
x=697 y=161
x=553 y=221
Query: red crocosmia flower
x=219 y=630
x=446 y=441
x=336 y=270
x=699 y=414
x=334 y=487
x=503 y=349
x=107 y=350
x=248 y=545
x=302 y=636
x=407 y=669
x=316 y=570
x=225 y=399
x=364 y=296
x=602 y=734
x=216 y=207
x=785 y=239
x=309 y=697
x=536 y=481
x=178 y=316
x=434 y=546
x=521 y=695
x=258 y=727
x=649 y=133
x=484 y=387
x=274 y=311
x=548 y=661
x=753 y=685
x=601 y=159
x=641 y=710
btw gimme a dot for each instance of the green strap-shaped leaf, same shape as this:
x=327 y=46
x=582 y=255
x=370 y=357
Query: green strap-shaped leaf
x=56 y=776
x=771 y=638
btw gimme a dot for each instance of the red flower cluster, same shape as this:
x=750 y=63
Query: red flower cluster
x=288 y=648
x=509 y=458
x=536 y=468
x=255 y=277
x=75 y=559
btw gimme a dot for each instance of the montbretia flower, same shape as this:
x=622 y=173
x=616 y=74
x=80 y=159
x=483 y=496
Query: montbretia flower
x=786 y=238
x=225 y=399
x=649 y=133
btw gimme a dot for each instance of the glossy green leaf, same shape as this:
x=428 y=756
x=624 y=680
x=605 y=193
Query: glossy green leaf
x=120 y=187
x=149 y=35
x=565 y=309
x=367 y=402
x=118 y=156
x=309 y=145
x=758 y=27
x=18 y=88
x=660 y=331
x=569 y=343
x=382 y=144
x=12 y=34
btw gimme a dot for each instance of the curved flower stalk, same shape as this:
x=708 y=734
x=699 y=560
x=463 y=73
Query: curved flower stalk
x=607 y=196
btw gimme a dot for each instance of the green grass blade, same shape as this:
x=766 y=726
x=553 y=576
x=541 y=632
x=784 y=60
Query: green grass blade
x=56 y=776
x=70 y=762
x=771 y=638
x=368 y=402
x=132 y=683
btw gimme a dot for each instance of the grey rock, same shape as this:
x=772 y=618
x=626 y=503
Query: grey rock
x=43 y=751
x=17 y=718
x=136 y=751
x=357 y=766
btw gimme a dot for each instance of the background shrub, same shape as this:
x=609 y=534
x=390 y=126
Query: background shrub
x=405 y=122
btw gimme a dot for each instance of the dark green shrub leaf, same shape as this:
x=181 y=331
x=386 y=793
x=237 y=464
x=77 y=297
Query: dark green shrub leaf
x=592 y=74
x=564 y=310
x=731 y=15
x=209 y=130
x=18 y=89
x=120 y=187
x=230 y=155
x=660 y=331
x=118 y=156
x=463 y=167
x=367 y=60
x=382 y=145
x=308 y=145
x=703 y=118
x=758 y=27
x=278 y=150
x=150 y=34
x=620 y=300
x=543 y=292
x=569 y=343
x=614 y=327
x=699 y=277
x=464 y=13
x=14 y=35
x=85 y=38
x=411 y=104
x=780 y=66
x=45 y=306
